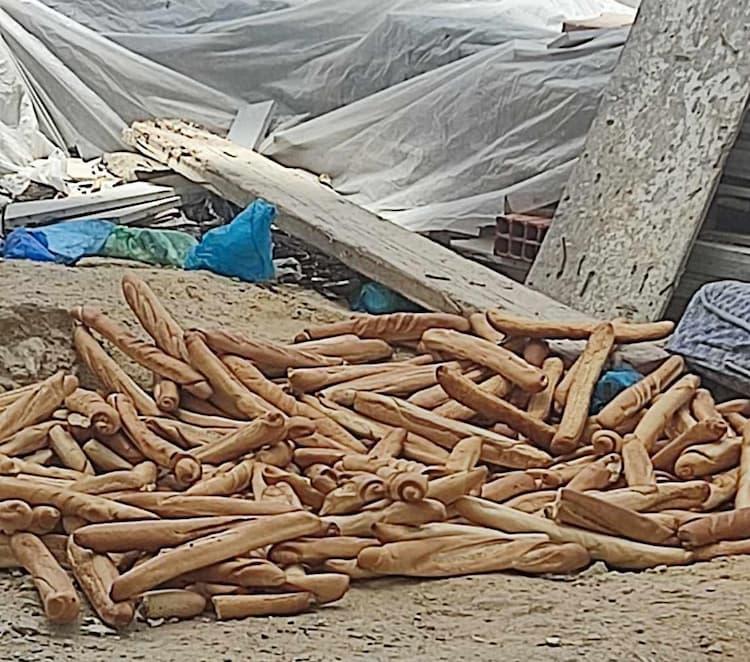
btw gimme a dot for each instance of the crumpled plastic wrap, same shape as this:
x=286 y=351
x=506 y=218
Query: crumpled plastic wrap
x=432 y=114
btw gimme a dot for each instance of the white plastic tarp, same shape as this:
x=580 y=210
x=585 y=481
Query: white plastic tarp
x=312 y=56
x=444 y=150
x=431 y=113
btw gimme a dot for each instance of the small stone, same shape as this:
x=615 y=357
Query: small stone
x=715 y=648
x=554 y=642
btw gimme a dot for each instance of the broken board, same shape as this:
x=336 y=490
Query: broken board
x=419 y=269
x=639 y=193
x=35 y=213
x=428 y=274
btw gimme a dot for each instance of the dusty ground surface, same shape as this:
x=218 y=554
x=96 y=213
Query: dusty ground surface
x=695 y=613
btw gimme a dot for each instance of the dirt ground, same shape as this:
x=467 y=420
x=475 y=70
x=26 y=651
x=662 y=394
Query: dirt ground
x=694 y=613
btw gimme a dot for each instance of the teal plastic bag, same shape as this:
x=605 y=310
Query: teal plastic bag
x=165 y=248
x=243 y=249
x=377 y=299
x=611 y=384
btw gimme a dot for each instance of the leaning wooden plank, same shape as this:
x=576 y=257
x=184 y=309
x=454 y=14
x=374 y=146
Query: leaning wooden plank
x=653 y=157
x=421 y=270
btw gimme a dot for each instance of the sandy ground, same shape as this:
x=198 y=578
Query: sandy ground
x=694 y=613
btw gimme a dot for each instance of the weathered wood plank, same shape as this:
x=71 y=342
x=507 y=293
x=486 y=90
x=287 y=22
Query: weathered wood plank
x=652 y=160
x=418 y=268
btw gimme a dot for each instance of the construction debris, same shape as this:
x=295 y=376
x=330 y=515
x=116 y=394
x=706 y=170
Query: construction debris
x=264 y=478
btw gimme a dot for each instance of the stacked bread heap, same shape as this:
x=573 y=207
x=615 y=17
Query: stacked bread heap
x=262 y=477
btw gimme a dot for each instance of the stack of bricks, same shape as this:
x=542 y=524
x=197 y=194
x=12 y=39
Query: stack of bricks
x=520 y=236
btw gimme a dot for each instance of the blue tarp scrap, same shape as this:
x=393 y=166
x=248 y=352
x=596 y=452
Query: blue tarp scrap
x=63 y=243
x=243 y=249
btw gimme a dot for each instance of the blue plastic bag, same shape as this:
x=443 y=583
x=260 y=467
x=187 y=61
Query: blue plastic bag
x=611 y=384
x=243 y=249
x=377 y=299
x=64 y=243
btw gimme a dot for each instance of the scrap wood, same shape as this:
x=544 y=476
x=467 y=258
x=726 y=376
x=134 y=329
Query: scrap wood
x=215 y=504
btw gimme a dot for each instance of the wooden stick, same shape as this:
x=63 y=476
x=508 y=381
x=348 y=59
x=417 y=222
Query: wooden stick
x=266 y=430
x=272 y=358
x=394 y=327
x=243 y=606
x=715 y=527
x=578 y=402
x=186 y=468
x=95 y=574
x=68 y=451
x=166 y=394
x=176 y=504
x=89 y=403
x=172 y=603
x=445 y=432
x=37 y=404
x=213 y=549
x=110 y=375
x=56 y=591
x=640 y=394
x=704 y=431
x=711 y=458
x=540 y=404
x=483 y=352
x=103 y=458
x=742 y=498
x=142 y=352
x=229 y=394
x=590 y=512
x=90 y=507
x=154 y=318
x=625 y=332
x=349 y=348
x=139 y=477
x=616 y=552
x=495 y=409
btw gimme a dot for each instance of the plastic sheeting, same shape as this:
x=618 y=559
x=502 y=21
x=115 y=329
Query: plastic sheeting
x=25 y=152
x=90 y=89
x=432 y=113
x=312 y=56
x=444 y=150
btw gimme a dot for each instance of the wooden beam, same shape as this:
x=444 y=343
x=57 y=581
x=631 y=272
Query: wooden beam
x=652 y=160
x=421 y=270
